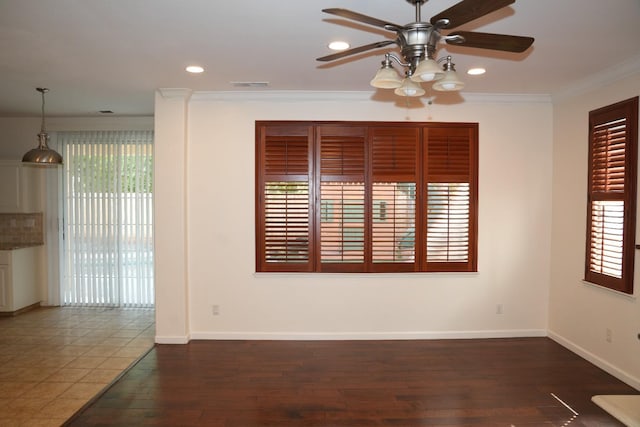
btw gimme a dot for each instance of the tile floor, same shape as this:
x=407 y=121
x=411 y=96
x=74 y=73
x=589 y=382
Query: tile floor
x=54 y=360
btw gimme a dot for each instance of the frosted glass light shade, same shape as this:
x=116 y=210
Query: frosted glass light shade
x=386 y=78
x=450 y=82
x=427 y=70
x=409 y=88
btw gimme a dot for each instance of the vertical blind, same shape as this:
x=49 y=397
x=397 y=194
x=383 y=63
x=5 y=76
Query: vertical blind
x=612 y=195
x=108 y=218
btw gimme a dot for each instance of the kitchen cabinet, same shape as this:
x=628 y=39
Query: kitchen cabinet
x=20 y=187
x=19 y=278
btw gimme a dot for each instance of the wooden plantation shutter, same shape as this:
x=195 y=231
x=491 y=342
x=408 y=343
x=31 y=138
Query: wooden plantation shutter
x=366 y=196
x=341 y=166
x=611 y=199
x=451 y=198
x=283 y=223
x=395 y=165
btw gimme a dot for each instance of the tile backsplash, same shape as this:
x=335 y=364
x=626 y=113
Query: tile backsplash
x=21 y=229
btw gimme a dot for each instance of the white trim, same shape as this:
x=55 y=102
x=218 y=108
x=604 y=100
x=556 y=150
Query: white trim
x=596 y=360
x=609 y=290
x=315 y=96
x=171 y=339
x=339 y=336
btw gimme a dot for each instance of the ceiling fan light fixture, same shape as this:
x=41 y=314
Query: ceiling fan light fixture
x=42 y=155
x=418 y=43
x=427 y=70
x=409 y=88
x=387 y=77
x=450 y=82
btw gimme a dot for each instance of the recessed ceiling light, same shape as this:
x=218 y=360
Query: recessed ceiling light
x=339 y=45
x=476 y=71
x=194 y=69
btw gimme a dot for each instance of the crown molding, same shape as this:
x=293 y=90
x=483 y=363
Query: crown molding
x=610 y=75
x=183 y=93
x=328 y=96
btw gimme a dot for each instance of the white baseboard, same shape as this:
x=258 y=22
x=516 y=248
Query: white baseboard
x=599 y=362
x=417 y=335
x=171 y=340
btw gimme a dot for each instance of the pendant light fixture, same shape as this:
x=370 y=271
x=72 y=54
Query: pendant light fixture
x=42 y=155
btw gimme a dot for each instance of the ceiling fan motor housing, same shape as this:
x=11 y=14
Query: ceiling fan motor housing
x=417 y=41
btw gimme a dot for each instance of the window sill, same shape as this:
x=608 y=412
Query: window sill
x=632 y=297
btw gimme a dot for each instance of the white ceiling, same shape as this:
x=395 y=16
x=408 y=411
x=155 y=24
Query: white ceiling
x=112 y=54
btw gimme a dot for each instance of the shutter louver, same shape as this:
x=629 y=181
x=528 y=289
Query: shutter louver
x=286 y=222
x=286 y=156
x=448 y=155
x=607 y=220
x=448 y=222
x=342 y=156
x=608 y=160
x=342 y=232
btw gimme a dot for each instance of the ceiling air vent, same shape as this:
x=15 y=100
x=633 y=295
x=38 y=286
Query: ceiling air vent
x=250 y=84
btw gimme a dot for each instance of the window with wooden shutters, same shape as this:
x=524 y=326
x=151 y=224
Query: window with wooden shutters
x=450 y=202
x=285 y=211
x=366 y=197
x=611 y=209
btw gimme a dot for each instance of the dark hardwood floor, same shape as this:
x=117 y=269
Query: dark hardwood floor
x=496 y=382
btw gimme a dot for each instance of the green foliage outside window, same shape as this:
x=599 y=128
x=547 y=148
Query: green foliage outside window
x=111 y=174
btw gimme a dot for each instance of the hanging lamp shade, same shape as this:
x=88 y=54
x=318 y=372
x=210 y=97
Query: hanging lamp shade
x=387 y=77
x=427 y=70
x=450 y=82
x=42 y=155
x=409 y=88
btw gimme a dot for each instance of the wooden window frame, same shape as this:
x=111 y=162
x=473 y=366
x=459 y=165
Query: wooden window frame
x=607 y=184
x=408 y=174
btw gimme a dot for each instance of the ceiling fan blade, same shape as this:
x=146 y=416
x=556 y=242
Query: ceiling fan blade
x=355 y=16
x=468 y=10
x=355 y=50
x=502 y=42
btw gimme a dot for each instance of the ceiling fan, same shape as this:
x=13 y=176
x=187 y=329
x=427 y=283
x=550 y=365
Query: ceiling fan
x=418 y=44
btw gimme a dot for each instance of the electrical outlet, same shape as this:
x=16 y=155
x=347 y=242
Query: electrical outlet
x=499 y=309
x=215 y=309
x=609 y=335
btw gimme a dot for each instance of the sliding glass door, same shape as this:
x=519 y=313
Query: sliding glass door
x=108 y=218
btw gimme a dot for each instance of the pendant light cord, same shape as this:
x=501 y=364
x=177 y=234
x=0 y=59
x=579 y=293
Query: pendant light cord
x=42 y=92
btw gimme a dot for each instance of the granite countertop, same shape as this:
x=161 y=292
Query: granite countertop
x=9 y=246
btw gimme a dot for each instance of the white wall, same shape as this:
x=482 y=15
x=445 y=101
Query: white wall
x=218 y=207
x=581 y=313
